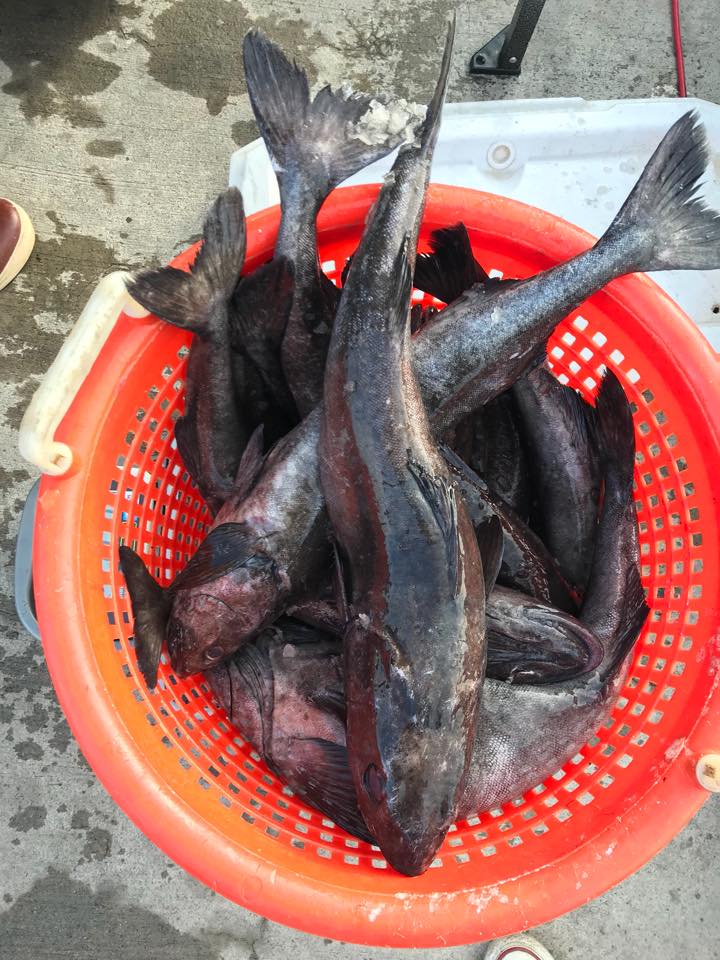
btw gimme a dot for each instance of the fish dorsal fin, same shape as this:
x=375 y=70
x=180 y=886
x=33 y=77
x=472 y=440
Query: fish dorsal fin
x=250 y=465
x=227 y=548
x=439 y=494
x=151 y=608
x=490 y=543
x=450 y=268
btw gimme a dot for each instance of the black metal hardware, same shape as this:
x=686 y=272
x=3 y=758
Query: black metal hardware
x=503 y=55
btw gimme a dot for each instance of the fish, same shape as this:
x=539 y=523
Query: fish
x=527 y=640
x=284 y=692
x=313 y=145
x=483 y=342
x=662 y=225
x=527 y=565
x=533 y=642
x=211 y=435
x=260 y=307
x=525 y=733
x=414 y=649
x=503 y=462
x=532 y=730
x=233 y=584
x=565 y=470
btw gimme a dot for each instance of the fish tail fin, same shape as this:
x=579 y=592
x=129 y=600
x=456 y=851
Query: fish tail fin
x=635 y=615
x=450 y=268
x=189 y=299
x=431 y=124
x=668 y=225
x=151 y=609
x=311 y=138
x=611 y=425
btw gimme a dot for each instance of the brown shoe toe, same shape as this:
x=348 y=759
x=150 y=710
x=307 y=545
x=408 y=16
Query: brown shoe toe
x=17 y=239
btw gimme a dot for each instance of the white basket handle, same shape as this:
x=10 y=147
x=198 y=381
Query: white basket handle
x=72 y=364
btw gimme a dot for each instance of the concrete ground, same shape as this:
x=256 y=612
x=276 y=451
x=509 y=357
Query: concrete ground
x=117 y=120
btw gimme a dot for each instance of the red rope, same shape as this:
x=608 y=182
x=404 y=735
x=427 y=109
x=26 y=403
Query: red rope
x=677 y=42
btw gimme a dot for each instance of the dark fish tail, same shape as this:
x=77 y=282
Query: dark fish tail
x=308 y=138
x=665 y=222
x=151 y=609
x=450 y=268
x=189 y=299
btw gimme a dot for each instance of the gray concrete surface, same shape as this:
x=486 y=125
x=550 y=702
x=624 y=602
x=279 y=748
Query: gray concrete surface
x=116 y=123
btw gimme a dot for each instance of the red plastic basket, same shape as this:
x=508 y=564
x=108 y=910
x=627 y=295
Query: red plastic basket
x=199 y=791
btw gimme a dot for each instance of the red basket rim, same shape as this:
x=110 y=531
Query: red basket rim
x=247 y=876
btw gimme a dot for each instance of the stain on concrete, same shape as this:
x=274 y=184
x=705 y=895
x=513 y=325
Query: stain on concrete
x=57 y=282
x=102 y=183
x=244 y=131
x=89 y=923
x=61 y=738
x=32 y=817
x=196 y=48
x=29 y=750
x=41 y=42
x=36 y=720
x=383 y=65
x=105 y=148
x=80 y=820
x=98 y=843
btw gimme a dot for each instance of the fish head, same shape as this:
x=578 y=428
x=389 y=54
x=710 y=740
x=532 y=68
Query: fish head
x=229 y=590
x=408 y=753
x=210 y=622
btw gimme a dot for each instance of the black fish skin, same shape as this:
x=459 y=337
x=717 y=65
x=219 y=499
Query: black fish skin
x=505 y=465
x=211 y=435
x=258 y=316
x=565 y=469
x=311 y=149
x=526 y=732
x=527 y=566
x=415 y=648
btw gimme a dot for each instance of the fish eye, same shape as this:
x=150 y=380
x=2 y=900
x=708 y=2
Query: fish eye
x=374 y=783
x=214 y=653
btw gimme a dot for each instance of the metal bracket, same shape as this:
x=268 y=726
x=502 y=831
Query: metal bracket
x=502 y=56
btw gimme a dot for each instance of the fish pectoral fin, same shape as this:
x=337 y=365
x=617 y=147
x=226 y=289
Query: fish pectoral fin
x=490 y=542
x=439 y=494
x=151 y=608
x=323 y=768
x=331 y=701
x=226 y=548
